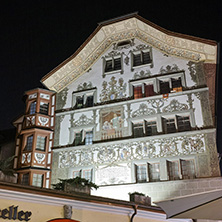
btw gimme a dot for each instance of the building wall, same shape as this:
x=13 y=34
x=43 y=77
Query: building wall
x=159 y=191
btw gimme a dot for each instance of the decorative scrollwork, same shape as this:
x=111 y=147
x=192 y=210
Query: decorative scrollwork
x=84 y=86
x=175 y=106
x=143 y=111
x=83 y=121
x=168 y=69
x=134 y=150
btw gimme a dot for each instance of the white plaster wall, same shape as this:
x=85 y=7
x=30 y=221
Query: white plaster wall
x=95 y=74
x=160 y=190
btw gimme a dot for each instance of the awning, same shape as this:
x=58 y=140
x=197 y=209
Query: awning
x=205 y=205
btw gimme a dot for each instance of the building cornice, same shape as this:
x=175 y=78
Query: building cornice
x=133 y=26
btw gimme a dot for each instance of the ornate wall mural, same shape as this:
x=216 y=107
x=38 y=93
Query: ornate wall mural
x=142 y=74
x=175 y=106
x=84 y=86
x=111 y=121
x=169 y=69
x=135 y=150
x=143 y=111
x=113 y=89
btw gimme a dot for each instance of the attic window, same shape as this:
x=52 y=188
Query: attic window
x=112 y=64
x=123 y=44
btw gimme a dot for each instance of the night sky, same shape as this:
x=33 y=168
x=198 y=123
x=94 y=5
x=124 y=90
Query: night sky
x=36 y=36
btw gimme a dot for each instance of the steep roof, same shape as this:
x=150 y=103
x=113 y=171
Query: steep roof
x=122 y=28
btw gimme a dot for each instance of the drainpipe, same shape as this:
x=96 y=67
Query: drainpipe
x=135 y=212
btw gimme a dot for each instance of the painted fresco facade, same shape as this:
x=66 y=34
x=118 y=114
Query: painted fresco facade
x=140 y=113
x=135 y=108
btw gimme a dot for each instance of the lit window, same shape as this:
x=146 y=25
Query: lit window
x=148 y=90
x=40 y=144
x=25 y=179
x=89 y=138
x=29 y=142
x=173 y=170
x=32 y=109
x=137 y=92
x=37 y=180
x=141 y=173
x=44 y=108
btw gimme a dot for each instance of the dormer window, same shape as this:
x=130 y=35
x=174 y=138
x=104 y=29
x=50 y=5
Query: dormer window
x=140 y=56
x=112 y=63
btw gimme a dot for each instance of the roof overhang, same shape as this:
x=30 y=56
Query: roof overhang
x=124 y=28
x=205 y=205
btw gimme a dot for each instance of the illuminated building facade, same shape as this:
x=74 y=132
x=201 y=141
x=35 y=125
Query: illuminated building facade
x=135 y=111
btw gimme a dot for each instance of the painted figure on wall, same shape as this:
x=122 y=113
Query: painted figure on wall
x=111 y=125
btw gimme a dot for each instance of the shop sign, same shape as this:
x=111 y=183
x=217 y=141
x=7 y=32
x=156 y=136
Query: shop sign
x=12 y=213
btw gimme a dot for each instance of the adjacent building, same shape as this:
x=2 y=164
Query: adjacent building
x=134 y=111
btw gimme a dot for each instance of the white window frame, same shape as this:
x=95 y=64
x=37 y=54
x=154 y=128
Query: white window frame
x=112 y=57
x=139 y=51
x=84 y=94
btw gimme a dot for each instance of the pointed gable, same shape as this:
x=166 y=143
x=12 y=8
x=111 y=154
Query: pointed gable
x=125 y=28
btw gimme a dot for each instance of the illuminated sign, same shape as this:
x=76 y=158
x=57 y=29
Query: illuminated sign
x=12 y=213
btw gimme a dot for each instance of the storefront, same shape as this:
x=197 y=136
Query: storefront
x=19 y=203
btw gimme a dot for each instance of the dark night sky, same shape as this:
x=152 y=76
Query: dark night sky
x=37 y=35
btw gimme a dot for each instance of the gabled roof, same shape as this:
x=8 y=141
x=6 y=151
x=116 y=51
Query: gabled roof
x=123 y=28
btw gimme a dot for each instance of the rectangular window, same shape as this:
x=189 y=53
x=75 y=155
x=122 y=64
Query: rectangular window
x=25 y=179
x=89 y=101
x=87 y=174
x=32 y=109
x=183 y=123
x=29 y=142
x=44 y=108
x=79 y=102
x=164 y=87
x=89 y=138
x=137 y=92
x=141 y=58
x=148 y=88
x=168 y=125
x=176 y=82
x=37 y=180
x=77 y=173
x=141 y=173
x=173 y=170
x=154 y=172
x=113 y=64
x=187 y=168
x=138 y=130
x=40 y=144
x=78 y=139
x=151 y=128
